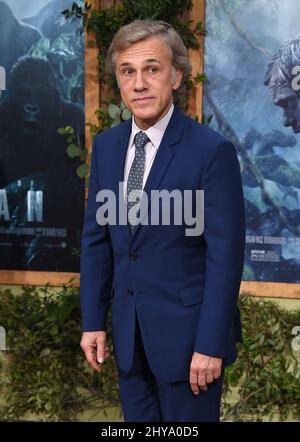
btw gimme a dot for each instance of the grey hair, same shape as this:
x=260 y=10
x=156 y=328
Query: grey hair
x=140 y=30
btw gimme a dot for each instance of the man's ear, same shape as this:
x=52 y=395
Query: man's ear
x=177 y=78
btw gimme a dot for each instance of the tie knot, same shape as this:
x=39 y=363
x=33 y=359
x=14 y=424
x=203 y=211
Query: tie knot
x=140 y=139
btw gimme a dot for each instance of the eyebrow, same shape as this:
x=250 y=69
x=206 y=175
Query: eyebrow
x=149 y=60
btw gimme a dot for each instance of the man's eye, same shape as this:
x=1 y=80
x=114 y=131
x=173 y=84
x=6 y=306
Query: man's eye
x=127 y=71
x=152 y=69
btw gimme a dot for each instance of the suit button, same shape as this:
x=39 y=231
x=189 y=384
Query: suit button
x=133 y=256
x=130 y=292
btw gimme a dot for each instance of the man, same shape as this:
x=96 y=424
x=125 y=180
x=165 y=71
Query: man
x=282 y=78
x=175 y=320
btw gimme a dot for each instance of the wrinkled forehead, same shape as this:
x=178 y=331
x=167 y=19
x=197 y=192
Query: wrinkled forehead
x=153 y=48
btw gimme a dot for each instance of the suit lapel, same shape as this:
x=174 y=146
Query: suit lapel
x=159 y=167
x=161 y=161
x=123 y=140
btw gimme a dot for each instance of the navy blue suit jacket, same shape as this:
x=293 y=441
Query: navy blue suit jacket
x=184 y=288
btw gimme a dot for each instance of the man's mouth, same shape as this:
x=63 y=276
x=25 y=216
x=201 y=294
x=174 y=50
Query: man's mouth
x=142 y=99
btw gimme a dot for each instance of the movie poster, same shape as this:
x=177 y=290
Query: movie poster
x=252 y=61
x=42 y=90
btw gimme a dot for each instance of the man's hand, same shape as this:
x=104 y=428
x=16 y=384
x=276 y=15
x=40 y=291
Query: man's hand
x=203 y=370
x=94 y=346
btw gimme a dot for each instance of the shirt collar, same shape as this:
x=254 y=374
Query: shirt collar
x=155 y=132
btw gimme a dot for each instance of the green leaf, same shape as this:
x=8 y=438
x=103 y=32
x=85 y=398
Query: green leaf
x=126 y=114
x=201 y=78
x=73 y=151
x=45 y=352
x=113 y=110
x=54 y=330
x=69 y=130
x=82 y=170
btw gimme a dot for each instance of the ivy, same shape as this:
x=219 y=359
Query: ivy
x=266 y=375
x=44 y=371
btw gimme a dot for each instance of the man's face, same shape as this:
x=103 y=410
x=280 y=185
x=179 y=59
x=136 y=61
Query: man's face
x=147 y=80
x=290 y=105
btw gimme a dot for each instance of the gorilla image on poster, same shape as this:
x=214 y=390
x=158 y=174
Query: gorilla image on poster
x=41 y=195
x=253 y=96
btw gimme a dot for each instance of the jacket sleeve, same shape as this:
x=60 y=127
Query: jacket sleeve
x=96 y=261
x=224 y=235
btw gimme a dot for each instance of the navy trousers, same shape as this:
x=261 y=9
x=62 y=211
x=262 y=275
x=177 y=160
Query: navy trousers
x=147 y=399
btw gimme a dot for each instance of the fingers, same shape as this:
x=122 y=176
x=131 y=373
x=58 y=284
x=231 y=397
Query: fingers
x=194 y=381
x=214 y=371
x=217 y=374
x=107 y=353
x=200 y=378
x=94 y=361
x=95 y=349
x=101 y=348
x=90 y=354
x=209 y=377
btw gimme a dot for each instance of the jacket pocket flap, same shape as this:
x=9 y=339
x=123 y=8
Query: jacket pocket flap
x=192 y=295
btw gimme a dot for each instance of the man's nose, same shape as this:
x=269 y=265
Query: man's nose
x=140 y=82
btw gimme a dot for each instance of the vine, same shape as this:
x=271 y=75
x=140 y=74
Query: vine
x=43 y=370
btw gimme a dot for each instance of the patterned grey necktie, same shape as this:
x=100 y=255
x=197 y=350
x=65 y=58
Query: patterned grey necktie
x=135 y=178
